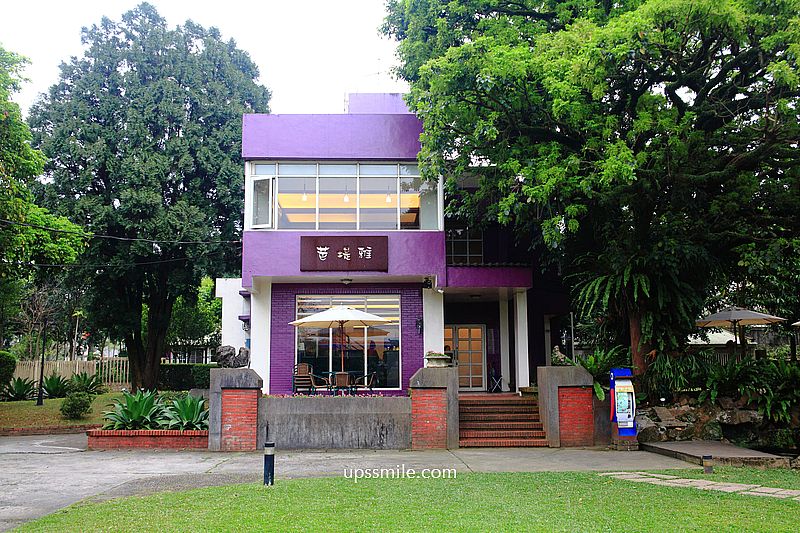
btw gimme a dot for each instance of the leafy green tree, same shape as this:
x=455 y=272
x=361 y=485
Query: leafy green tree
x=28 y=233
x=196 y=319
x=144 y=132
x=637 y=143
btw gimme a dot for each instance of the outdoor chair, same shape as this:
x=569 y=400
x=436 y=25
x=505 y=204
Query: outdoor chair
x=301 y=379
x=365 y=382
x=319 y=383
x=341 y=382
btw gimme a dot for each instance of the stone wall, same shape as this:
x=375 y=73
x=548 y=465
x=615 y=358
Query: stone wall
x=343 y=422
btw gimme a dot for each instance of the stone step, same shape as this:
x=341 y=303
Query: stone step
x=509 y=417
x=503 y=443
x=500 y=424
x=501 y=434
x=498 y=409
x=492 y=400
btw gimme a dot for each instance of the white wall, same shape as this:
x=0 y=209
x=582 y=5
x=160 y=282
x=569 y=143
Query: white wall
x=433 y=313
x=232 y=306
x=521 y=339
x=260 y=327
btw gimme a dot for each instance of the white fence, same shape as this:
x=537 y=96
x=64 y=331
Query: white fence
x=113 y=371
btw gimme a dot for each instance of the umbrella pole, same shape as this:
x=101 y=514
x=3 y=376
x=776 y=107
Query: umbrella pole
x=341 y=333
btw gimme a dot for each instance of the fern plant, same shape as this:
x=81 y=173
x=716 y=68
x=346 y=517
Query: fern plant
x=599 y=364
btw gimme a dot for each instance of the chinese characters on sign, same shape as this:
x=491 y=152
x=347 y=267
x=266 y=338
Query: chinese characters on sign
x=344 y=253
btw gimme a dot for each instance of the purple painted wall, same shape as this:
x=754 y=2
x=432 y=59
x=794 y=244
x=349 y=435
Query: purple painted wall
x=277 y=253
x=486 y=277
x=282 y=336
x=317 y=137
x=392 y=103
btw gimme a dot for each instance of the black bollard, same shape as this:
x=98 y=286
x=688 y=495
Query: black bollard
x=708 y=464
x=269 y=463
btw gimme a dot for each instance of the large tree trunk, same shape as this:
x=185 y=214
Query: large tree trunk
x=637 y=349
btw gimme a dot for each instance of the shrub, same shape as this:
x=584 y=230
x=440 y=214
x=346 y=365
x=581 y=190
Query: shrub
x=8 y=363
x=187 y=413
x=167 y=397
x=776 y=389
x=734 y=378
x=202 y=376
x=599 y=364
x=142 y=410
x=184 y=376
x=55 y=386
x=19 y=389
x=668 y=374
x=90 y=384
x=76 y=405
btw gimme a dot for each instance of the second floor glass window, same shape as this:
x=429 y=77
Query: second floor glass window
x=342 y=196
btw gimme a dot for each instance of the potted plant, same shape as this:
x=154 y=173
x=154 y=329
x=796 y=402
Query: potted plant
x=437 y=359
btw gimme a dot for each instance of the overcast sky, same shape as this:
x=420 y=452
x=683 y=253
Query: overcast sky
x=310 y=54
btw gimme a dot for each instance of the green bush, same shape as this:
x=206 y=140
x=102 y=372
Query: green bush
x=55 y=386
x=187 y=413
x=202 y=376
x=142 y=410
x=184 y=376
x=669 y=374
x=19 y=389
x=76 y=405
x=90 y=384
x=599 y=364
x=167 y=397
x=8 y=363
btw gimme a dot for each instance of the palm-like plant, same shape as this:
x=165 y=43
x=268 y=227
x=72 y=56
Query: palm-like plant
x=55 y=386
x=88 y=383
x=142 y=410
x=599 y=364
x=187 y=413
x=19 y=389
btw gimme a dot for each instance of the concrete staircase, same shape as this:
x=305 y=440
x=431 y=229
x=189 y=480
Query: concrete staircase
x=499 y=420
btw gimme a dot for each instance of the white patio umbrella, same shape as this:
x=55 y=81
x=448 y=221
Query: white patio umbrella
x=796 y=324
x=737 y=316
x=340 y=316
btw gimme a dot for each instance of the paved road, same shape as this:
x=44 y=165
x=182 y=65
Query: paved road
x=41 y=474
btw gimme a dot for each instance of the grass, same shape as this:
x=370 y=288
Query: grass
x=27 y=414
x=563 y=501
x=769 y=477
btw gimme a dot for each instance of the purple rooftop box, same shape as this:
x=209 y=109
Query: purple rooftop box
x=376 y=103
x=332 y=137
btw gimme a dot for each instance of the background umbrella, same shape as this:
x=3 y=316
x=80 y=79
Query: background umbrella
x=737 y=316
x=340 y=316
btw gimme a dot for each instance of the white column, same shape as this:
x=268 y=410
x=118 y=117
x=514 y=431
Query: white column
x=521 y=338
x=433 y=320
x=505 y=351
x=260 y=327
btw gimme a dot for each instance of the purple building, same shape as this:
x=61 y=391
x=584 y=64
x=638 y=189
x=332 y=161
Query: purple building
x=336 y=213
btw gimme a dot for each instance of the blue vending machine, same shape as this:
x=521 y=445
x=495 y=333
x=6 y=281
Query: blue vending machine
x=623 y=410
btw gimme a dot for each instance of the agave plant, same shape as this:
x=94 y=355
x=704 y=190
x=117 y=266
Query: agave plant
x=19 y=389
x=189 y=412
x=142 y=410
x=55 y=386
x=88 y=383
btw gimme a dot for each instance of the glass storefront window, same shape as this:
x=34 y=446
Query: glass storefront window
x=378 y=202
x=297 y=203
x=343 y=196
x=366 y=350
x=337 y=203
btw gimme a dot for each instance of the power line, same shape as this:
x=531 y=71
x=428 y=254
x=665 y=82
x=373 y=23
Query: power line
x=113 y=237
x=78 y=265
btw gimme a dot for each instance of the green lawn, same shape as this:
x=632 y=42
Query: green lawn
x=563 y=501
x=28 y=415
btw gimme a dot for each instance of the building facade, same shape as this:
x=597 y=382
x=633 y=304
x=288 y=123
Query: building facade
x=336 y=213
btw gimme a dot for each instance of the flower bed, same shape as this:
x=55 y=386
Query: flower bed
x=168 y=439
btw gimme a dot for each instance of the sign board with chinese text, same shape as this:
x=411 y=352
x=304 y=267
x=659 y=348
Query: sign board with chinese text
x=344 y=253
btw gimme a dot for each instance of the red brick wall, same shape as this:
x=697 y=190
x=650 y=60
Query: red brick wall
x=428 y=418
x=114 y=439
x=576 y=416
x=239 y=419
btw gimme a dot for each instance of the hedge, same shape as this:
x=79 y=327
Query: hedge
x=8 y=363
x=184 y=376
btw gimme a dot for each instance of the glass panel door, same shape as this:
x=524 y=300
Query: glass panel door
x=466 y=344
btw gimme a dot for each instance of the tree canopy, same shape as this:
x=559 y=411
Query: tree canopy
x=642 y=144
x=144 y=136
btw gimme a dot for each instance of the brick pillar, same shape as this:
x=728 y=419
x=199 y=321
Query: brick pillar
x=239 y=420
x=428 y=418
x=576 y=416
